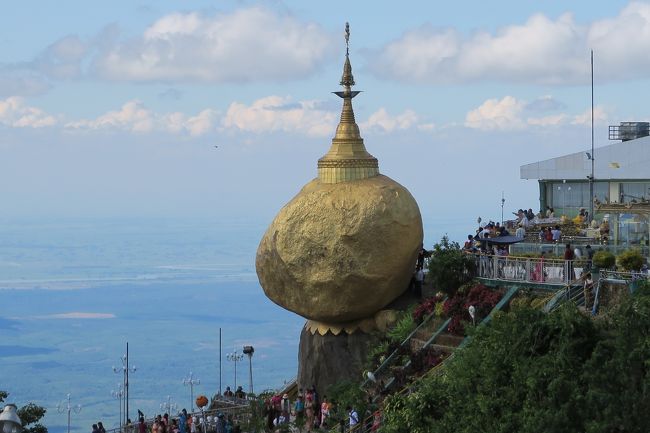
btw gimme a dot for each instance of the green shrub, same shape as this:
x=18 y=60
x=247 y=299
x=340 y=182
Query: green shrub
x=403 y=327
x=449 y=266
x=604 y=259
x=630 y=260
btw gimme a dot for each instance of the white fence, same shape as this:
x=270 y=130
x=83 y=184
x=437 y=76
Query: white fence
x=529 y=270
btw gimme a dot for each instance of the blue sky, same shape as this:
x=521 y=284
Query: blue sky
x=115 y=108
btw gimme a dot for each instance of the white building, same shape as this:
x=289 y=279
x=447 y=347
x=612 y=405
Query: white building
x=621 y=187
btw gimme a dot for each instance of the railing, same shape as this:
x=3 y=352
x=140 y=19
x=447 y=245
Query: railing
x=527 y=270
x=389 y=360
x=206 y=421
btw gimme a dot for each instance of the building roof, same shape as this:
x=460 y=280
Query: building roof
x=622 y=160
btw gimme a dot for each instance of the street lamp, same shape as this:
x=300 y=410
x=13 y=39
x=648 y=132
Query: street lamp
x=248 y=350
x=9 y=420
x=119 y=394
x=66 y=406
x=503 y=201
x=191 y=381
x=125 y=371
x=168 y=406
x=235 y=357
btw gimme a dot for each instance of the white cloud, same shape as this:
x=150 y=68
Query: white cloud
x=600 y=117
x=15 y=113
x=276 y=113
x=541 y=50
x=501 y=114
x=508 y=112
x=63 y=59
x=381 y=121
x=134 y=116
x=244 y=45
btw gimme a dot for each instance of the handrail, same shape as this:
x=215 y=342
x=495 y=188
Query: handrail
x=526 y=269
x=393 y=355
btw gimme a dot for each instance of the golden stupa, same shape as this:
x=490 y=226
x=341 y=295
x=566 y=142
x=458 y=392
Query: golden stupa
x=346 y=245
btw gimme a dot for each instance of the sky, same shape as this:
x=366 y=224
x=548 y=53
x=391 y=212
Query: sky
x=115 y=108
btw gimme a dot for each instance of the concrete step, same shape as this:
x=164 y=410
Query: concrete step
x=449 y=340
x=444 y=349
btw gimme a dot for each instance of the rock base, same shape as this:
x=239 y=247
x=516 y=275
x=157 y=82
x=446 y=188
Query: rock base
x=324 y=360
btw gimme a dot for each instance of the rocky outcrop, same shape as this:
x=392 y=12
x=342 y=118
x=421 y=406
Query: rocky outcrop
x=324 y=360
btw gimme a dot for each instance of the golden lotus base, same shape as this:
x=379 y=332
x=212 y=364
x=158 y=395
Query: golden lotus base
x=381 y=321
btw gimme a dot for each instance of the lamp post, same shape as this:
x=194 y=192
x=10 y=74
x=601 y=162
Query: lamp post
x=503 y=201
x=249 y=350
x=191 y=381
x=235 y=357
x=66 y=406
x=9 y=420
x=125 y=372
x=168 y=406
x=119 y=394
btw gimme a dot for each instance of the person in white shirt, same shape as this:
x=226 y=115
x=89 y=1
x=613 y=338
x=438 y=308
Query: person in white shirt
x=354 y=417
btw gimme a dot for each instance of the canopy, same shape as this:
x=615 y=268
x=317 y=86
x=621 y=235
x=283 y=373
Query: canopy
x=501 y=240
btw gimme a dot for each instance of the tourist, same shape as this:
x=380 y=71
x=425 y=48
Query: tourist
x=469 y=244
x=419 y=281
x=142 y=426
x=285 y=409
x=568 y=257
x=165 y=419
x=590 y=256
x=228 y=393
x=538 y=272
x=530 y=215
x=353 y=417
x=95 y=429
x=221 y=423
x=557 y=233
x=577 y=253
x=182 y=421
x=309 y=411
x=520 y=232
x=240 y=393
x=100 y=427
x=549 y=234
x=324 y=412
x=174 y=427
x=550 y=212
x=299 y=410
x=156 y=425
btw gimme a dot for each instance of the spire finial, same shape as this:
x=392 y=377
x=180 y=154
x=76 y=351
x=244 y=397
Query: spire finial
x=347 y=159
x=347 y=39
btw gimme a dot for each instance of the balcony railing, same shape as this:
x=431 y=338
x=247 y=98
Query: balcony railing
x=529 y=270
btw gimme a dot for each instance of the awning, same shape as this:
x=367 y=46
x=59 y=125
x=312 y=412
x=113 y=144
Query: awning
x=501 y=240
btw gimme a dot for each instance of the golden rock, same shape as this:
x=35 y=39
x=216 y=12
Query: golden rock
x=341 y=252
x=346 y=245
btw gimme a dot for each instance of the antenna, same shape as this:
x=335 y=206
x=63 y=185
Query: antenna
x=591 y=179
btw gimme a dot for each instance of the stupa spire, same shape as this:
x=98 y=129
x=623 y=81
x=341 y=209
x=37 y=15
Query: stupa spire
x=347 y=158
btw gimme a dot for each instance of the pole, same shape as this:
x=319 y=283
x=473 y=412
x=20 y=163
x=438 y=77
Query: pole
x=235 y=373
x=219 y=361
x=591 y=179
x=126 y=415
x=250 y=372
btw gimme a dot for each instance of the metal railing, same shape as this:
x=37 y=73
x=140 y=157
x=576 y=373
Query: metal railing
x=527 y=270
x=206 y=421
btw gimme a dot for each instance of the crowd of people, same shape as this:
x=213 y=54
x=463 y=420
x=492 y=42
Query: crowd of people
x=309 y=412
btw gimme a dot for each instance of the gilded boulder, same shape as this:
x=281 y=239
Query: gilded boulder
x=341 y=252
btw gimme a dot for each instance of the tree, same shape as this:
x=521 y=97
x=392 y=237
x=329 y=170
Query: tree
x=531 y=372
x=449 y=267
x=30 y=415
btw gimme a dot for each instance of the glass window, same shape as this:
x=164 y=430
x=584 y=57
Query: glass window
x=634 y=192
